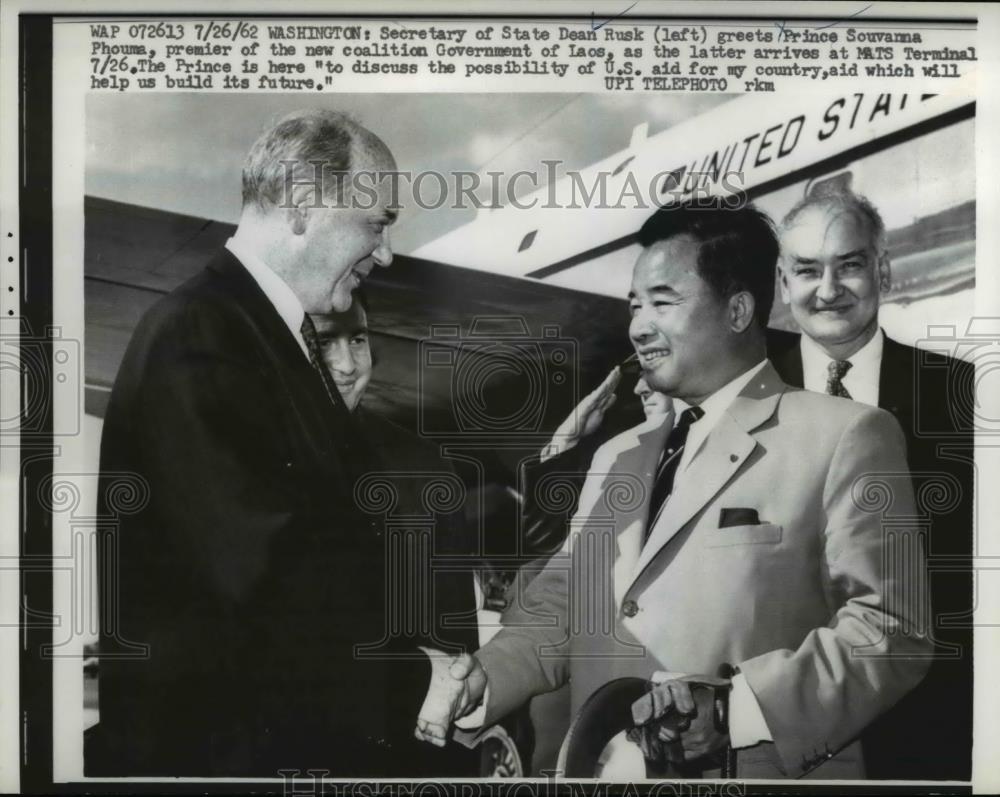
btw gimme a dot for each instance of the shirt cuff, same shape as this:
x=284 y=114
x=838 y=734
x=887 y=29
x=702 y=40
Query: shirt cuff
x=746 y=721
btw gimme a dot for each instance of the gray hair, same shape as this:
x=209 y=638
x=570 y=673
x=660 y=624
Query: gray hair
x=305 y=146
x=845 y=201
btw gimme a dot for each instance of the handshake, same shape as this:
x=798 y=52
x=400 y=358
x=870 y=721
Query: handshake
x=457 y=686
x=679 y=719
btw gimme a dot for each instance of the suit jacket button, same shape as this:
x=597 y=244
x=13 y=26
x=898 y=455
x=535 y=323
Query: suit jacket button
x=630 y=608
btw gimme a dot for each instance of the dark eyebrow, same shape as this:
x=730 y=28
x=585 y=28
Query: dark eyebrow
x=655 y=289
x=854 y=253
x=663 y=289
x=390 y=215
x=804 y=261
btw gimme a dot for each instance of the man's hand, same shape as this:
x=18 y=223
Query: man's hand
x=678 y=719
x=585 y=419
x=456 y=688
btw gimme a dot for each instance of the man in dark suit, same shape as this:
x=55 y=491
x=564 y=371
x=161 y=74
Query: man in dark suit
x=727 y=532
x=835 y=269
x=238 y=600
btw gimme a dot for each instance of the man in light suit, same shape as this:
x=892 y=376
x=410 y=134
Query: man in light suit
x=235 y=600
x=835 y=269
x=760 y=541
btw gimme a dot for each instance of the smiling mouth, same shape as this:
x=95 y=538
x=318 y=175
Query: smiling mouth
x=834 y=310
x=651 y=357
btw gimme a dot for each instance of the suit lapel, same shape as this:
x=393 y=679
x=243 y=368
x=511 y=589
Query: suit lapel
x=721 y=455
x=640 y=460
x=262 y=313
x=307 y=397
x=895 y=379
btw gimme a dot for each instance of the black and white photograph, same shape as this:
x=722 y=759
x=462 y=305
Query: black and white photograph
x=503 y=428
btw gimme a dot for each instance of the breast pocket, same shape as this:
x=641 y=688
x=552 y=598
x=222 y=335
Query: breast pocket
x=757 y=534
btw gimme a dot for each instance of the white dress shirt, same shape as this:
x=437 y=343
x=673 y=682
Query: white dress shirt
x=746 y=721
x=275 y=289
x=713 y=407
x=861 y=380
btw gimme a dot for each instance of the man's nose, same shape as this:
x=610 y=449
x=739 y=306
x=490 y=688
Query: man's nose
x=383 y=252
x=829 y=287
x=340 y=359
x=639 y=328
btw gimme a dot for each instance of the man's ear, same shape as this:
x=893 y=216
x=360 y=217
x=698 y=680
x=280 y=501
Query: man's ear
x=741 y=309
x=303 y=201
x=783 y=284
x=884 y=272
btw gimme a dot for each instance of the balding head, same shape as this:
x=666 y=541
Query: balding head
x=835 y=203
x=307 y=146
x=318 y=201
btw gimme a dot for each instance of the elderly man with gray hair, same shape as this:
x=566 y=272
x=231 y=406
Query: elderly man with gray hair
x=835 y=274
x=238 y=600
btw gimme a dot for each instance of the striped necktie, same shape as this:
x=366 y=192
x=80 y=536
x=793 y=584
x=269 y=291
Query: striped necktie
x=664 y=483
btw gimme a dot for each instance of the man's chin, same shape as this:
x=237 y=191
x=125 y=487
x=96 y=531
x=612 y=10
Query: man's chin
x=831 y=332
x=661 y=383
x=341 y=301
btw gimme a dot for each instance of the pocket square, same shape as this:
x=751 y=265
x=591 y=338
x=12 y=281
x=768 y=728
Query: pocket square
x=738 y=516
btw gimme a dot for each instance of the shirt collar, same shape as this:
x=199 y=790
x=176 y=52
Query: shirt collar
x=719 y=401
x=714 y=408
x=274 y=287
x=870 y=353
x=861 y=379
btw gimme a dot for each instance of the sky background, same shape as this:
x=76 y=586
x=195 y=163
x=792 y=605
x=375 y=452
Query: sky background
x=183 y=152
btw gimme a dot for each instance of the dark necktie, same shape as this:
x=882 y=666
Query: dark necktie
x=665 y=473
x=353 y=451
x=835 y=373
x=309 y=335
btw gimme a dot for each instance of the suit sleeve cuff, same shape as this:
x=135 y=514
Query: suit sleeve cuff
x=746 y=721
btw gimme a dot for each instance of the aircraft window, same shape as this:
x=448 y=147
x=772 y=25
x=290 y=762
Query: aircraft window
x=527 y=240
x=622 y=165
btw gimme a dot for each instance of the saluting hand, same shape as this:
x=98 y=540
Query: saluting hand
x=585 y=418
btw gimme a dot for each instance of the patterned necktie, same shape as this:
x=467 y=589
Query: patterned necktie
x=835 y=373
x=672 y=452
